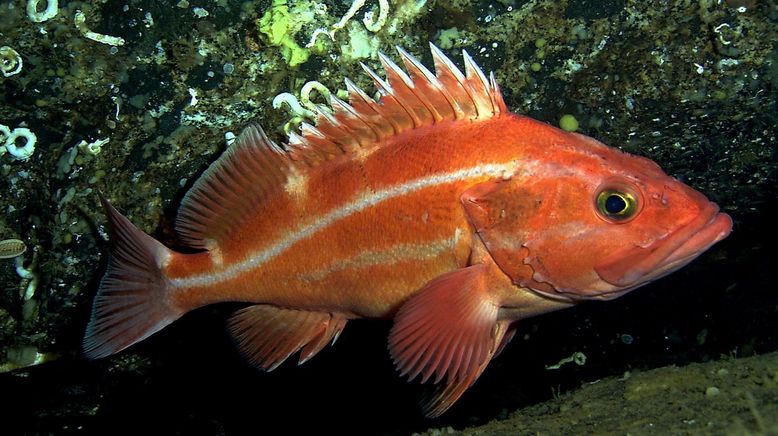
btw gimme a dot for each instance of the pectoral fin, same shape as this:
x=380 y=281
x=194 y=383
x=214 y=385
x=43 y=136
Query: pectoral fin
x=448 y=329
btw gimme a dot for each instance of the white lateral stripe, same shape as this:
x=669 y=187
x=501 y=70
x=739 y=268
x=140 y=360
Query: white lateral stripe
x=389 y=256
x=258 y=258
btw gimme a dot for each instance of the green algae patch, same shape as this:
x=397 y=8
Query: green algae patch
x=279 y=26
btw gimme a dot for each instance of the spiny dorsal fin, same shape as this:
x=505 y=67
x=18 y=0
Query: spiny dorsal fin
x=407 y=101
x=235 y=186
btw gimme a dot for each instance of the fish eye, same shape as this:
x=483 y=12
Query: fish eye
x=616 y=204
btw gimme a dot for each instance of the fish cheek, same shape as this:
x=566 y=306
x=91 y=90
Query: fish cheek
x=502 y=213
x=560 y=265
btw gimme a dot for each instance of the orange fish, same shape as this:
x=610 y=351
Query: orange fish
x=434 y=206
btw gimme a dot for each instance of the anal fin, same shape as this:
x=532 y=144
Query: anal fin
x=268 y=335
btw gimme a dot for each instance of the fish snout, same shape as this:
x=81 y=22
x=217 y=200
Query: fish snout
x=638 y=265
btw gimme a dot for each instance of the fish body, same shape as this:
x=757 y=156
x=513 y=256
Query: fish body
x=433 y=206
x=359 y=238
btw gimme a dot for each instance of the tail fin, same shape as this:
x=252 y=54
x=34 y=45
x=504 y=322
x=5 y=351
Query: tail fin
x=133 y=300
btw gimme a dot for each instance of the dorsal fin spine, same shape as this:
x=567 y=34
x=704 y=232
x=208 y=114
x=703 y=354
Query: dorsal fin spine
x=332 y=128
x=496 y=95
x=478 y=86
x=452 y=81
x=438 y=85
x=401 y=87
x=355 y=121
x=450 y=65
x=386 y=99
x=295 y=139
x=389 y=64
x=345 y=137
x=424 y=109
x=319 y=145
x=381 y=84
x=356 y=96
x=472 y=72
x=359 y=98
x=415 y=68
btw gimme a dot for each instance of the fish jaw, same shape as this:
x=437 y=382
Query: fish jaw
x=638 y=265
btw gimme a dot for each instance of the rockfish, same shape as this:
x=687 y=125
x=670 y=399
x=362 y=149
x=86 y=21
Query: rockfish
x=433 y=206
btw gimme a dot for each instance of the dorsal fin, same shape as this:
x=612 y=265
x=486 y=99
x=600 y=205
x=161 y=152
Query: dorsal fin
x=407 y=101
x=235 y=186
x=231 y=188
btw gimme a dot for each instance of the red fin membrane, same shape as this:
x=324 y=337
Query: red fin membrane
x=132 y=302
x=232 y=188
x=510 y=332
x=443 y=396
x=268 y=335
x=448 y=329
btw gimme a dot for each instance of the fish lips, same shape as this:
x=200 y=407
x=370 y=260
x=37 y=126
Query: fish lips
x=638 y=265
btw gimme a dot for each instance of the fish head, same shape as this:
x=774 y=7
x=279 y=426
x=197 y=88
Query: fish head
x=592 y=224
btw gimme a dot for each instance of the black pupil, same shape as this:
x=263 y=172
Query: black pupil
x=615 y=204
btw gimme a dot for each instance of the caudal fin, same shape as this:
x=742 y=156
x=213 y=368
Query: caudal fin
x=133 y=300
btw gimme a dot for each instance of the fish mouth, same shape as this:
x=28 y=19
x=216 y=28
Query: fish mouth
x=639 y=265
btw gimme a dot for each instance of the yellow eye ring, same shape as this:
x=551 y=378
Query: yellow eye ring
x=616 y=205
